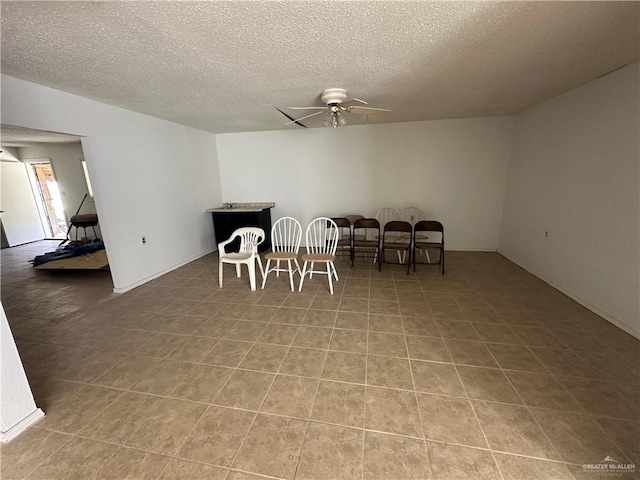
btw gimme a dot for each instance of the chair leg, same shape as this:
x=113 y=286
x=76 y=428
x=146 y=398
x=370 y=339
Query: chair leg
x=311 y=271
x=298 y=266
x=259 y=260
x=264 y=277
x=409 y=262
x=277 y=268
x=335 y=272
x=290 y=275
x=238 y=273
x=220 y=265
x=251 y=266
x=329 y=275
x=442 y=253
x=304 y=272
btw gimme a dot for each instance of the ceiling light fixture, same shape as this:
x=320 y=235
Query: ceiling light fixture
x=335 y=118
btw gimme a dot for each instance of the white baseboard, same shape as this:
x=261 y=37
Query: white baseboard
x=162 y=272
x=466 y=249
x=21 y=426
x=607 y=316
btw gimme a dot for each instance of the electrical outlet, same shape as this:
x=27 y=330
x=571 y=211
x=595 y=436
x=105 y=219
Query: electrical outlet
x=144 y=240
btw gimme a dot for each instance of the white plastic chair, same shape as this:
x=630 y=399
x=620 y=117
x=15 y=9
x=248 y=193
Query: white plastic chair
x=322 y=240
x=386 y=215
x=286 y=235
x=250 y=238
x=412 y=215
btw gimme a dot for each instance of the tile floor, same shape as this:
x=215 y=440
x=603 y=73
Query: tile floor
x=485 y=373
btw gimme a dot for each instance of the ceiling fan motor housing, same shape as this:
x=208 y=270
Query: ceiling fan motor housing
x=333 y=96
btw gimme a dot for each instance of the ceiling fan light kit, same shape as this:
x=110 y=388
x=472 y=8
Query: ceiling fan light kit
x=337 y=104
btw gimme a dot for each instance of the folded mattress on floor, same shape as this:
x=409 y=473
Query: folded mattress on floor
x=86 y=255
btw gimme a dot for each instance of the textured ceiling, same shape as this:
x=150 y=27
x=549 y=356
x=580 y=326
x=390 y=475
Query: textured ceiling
x=223 y=66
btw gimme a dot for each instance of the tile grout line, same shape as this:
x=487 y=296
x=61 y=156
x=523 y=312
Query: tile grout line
x=417 y=400
x=217 y=406
x=366 y=382
x=528 y=409
x=177 y=450
x=43 y=460
x=475 y=414
x=485 y=449
x=304 y=436
x=593 y=419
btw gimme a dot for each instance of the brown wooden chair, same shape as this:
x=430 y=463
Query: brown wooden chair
x=394 y=238
x=366 y=239
x=345 y=239
x=426 y=234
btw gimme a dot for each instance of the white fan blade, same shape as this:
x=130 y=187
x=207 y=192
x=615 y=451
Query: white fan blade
x=366 y=110
x=307 y=108
x=302 y=118
x=355 y=100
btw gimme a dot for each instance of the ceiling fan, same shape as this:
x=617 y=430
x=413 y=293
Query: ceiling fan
x=336 y=107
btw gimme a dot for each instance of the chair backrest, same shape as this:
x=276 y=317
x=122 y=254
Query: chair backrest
x=352 y=218
x=429 y=226
x=371 y=228
x=250 y=238
x=412 y=215
x=344 y=229
x=286 y=235
x=342 y=222
x=322 y=236
x=386 y=215
x=398 y=226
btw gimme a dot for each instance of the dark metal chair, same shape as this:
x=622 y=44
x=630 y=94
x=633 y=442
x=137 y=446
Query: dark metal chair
x=395 y=238
x=345 y=239
x=366 y=239
x=352 y=220
x=425 y=238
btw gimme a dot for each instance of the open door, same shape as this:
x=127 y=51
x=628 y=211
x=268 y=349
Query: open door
x=48 y=197
x=20 y=218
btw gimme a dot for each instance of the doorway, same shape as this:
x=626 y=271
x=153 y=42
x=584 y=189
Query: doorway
x=49 y=200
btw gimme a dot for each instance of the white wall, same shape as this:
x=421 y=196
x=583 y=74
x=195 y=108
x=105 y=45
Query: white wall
x=150 y=177
x=574 y=172
x=17 y=408
x=20 y=216
x=65 y=160
x=455 y=170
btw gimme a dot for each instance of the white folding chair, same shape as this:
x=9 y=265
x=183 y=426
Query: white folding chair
x=412 y=215
x=386 y=215
x=322 y=240
x=250 y=238
x=286 y=235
